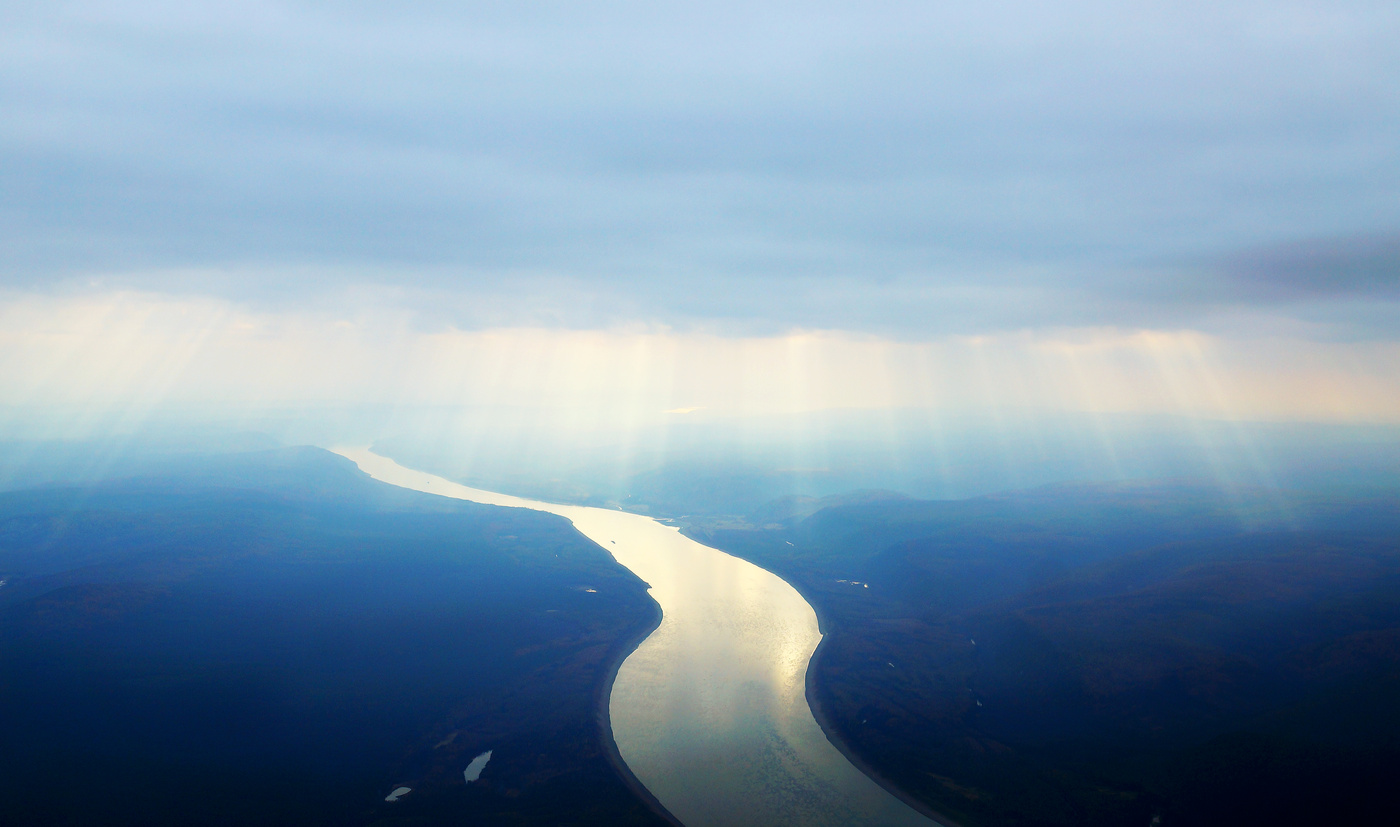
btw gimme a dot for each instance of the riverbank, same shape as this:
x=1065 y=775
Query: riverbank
x=684 y=703
x=819 y=713
x=602 y=697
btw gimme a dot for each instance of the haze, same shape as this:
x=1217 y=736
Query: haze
x=795 y=414
x=613 y=216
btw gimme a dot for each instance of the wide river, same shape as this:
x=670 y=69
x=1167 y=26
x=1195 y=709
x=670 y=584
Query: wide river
x=710 y=711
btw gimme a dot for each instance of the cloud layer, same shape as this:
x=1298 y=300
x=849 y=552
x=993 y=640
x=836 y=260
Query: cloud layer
x=910 y=169
x=76 y=365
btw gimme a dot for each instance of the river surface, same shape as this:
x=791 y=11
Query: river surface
x=710 y=712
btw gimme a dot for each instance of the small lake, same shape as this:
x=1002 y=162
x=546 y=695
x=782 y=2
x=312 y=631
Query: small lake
x=473 y=770
x=710 y=711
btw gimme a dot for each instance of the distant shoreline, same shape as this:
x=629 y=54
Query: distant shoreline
x=602 y=703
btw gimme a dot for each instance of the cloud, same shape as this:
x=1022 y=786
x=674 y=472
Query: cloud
x=905 y=168
x=86 y=362
x=1364 y=266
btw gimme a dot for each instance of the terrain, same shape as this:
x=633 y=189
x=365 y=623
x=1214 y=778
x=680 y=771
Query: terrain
x=273 y=638
x=1105 y=654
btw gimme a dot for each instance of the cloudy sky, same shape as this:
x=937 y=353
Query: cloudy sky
x=1179 y=183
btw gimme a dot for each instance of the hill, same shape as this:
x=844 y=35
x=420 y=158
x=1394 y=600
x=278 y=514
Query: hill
x=274 y=638
x=1104 y=655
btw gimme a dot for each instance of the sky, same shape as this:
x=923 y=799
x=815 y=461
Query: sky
x=614 y=208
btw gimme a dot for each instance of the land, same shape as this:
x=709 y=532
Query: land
x=273 y=638
x=1104 y=655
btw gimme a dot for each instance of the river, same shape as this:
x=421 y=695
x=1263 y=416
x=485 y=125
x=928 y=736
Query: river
x=710 y=711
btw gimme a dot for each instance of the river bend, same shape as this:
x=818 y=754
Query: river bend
x=710 y=711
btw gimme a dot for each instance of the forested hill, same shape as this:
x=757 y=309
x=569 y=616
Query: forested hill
x=274 y=638
x=1106 y=655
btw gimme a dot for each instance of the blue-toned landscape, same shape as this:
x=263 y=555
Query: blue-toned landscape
x=273 y=638
x=765 y=414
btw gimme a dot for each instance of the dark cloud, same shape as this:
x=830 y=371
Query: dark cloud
x=1365 y=266
x=903 y=167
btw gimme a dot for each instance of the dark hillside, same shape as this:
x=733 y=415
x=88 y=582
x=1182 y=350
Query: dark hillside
x=1097 y=656
x=274 y=638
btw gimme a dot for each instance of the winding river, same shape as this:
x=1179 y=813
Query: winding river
x=710 y=711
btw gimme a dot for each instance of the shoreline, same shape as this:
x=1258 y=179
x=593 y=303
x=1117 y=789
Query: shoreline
x=617 y=653
x=602 y=698
x=819 y=713
x=623 y=649
x=842 y=747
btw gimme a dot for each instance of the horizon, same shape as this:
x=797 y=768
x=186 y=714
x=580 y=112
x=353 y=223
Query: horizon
x=231 y=215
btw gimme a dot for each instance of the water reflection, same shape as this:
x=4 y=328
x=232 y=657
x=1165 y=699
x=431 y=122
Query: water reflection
x=710 y=712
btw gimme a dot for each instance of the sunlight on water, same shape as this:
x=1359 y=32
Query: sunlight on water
x=709 y=712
